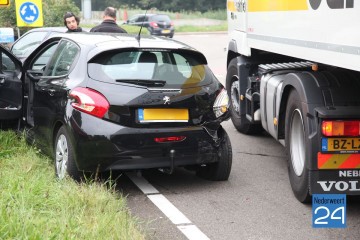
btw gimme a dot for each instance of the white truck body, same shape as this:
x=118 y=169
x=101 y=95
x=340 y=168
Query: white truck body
x=294 y=28
x=294 y=71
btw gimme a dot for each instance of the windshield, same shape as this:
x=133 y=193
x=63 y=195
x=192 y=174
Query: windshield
x=26 y=44
x=180 y=68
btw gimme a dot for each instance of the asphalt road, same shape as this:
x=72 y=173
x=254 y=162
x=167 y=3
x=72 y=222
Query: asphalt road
x=255 y=203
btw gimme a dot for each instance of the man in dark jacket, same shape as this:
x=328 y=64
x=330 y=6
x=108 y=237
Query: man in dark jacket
x=109 y=23
x=72 y=22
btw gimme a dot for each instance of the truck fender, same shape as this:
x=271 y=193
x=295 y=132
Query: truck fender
x=308 y=87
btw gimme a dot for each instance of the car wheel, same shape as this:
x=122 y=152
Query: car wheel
x=64 y=156
x=238 y=117
x=295 y=136
x=219 y=171
x=171 y=36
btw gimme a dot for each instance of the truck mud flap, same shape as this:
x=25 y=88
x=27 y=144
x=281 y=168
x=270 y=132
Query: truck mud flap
x=335 y=182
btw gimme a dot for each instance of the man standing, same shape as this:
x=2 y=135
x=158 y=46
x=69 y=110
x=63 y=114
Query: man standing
x=109 y=23
x=72 y=22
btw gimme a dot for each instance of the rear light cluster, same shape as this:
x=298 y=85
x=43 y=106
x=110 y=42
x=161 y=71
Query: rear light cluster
x=221 y=104
x=154 y=24
x=89 y=101
x=341 y=128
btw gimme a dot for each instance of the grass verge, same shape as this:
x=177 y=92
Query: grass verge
x=34 y=205
x=192 y=28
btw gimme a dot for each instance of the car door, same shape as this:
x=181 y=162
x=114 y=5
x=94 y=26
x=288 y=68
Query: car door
x=49 y=93
x=11 y=86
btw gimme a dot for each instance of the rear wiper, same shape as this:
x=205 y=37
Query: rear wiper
x=143 y=82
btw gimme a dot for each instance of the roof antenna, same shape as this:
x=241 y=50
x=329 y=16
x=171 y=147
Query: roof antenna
x=142 y=24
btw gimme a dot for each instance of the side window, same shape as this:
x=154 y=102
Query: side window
x=140 y=19
x=27 y=43
x=133 y=19
x=41 y=61
x=62 y=59
x=6 y=63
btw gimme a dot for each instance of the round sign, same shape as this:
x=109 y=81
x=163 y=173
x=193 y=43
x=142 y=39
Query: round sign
x=29 y=12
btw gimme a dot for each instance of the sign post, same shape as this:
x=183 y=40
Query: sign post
x=29 y=13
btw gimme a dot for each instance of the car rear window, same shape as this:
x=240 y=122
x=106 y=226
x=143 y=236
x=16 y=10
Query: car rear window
x=160 y=18
x=174 y=68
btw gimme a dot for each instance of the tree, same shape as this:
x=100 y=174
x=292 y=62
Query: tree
x=173 y=5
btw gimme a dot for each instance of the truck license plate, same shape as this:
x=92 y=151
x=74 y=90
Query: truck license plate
x=340 y=144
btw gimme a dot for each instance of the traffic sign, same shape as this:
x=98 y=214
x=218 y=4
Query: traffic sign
x=4 y=3
x=29 y=13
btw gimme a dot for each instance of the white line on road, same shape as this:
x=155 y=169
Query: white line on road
x=175 y=216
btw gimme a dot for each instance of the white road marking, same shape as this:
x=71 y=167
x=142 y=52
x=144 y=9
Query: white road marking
x=191 y=231
x=169 y=209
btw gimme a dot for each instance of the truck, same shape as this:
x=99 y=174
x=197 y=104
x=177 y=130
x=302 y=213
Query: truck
x=293 y=70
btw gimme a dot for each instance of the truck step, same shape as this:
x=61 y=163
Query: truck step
x=265 y=68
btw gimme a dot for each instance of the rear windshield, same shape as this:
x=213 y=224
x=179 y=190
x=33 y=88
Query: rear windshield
x=160 y=18
x=175 y=69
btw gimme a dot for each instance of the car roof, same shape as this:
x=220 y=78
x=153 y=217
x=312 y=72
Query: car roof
x=101 y=42
x=152 y=14
x=119 y=40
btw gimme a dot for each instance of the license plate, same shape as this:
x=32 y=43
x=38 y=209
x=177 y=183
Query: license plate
x=340 y=144
x=166 y=31
x=163 y=115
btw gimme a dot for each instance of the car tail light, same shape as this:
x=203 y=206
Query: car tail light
x=341 y=128
x=172 y=24
x=154 y=24
x=221 y=104
x=89 y=101
x=170 y=139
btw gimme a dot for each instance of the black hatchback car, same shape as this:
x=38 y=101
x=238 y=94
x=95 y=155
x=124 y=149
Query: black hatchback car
x=156 y=24
x=119 y=103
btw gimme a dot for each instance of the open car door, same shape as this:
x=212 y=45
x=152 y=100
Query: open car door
x=11 y=86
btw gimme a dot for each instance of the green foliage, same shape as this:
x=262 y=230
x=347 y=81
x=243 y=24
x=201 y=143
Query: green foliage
x=34 y=205
x=53 y=12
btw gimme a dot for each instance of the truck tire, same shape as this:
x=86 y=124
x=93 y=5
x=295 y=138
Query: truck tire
x=295 y=136
x=64 y=156
x=219 y=171
x=238 y=117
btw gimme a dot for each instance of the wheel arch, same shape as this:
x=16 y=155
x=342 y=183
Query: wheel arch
x=311 y=95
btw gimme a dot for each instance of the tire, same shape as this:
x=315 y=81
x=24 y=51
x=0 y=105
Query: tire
x=241 y=123
x=64 y=156
x=295 y=136
x=219 y=171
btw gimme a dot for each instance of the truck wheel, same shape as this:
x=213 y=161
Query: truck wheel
x=295 y=137
x=219 y=171
x=238 y=116
x=64 y=156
